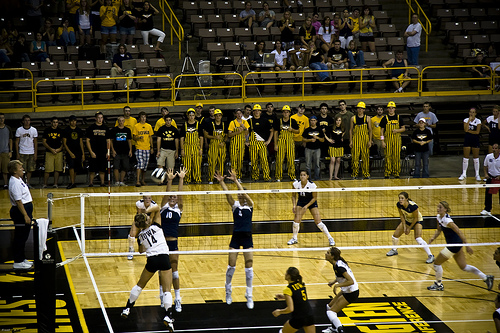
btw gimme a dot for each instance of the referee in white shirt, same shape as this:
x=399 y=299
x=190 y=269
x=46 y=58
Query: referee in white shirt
x=492 y=172
x=21 y=213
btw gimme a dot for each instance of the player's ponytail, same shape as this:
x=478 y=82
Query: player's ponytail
x=446 y=206
x=294 y=274
x=140 y=220
x=406 y=195
x=335 y=252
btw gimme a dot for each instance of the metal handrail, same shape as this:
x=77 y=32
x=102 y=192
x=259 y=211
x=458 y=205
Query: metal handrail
x=175 y=26
x=427 y=27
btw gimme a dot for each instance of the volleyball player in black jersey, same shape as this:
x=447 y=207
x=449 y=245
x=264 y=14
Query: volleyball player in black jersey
x=453 y=235
x=242 y=236
x=297 y=303
x=170 y=214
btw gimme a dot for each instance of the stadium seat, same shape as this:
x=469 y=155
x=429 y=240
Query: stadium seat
x=396 y=43
x=232 y=21
x=86 y=68
x=158 y=65
x=64 y=86
x=49 y=69
x=244 y=35
x=380 y=44
x=189 y=8
x=215 y=50
x=339 y=5
x=207 y=7
x=323 y=6
x=215 y=21
x=489 y=26
x=72 y=52
x=165 y=84
x=481 y=41
x=147 y=51
x=146 y=82
x=141 y=66
x=198 y=22
x=67 y=68
x=381 y=16
x=373 y=4
x=371 y=58
x=224 y=35
x=107 y=83
x=206 y=36
x=103 y=67
x=388 y=30
x=261 y=33
x=88 y=85
x=43 y=85
x=224 y=7
x=461 y=14
x=33 y=67
x=57 y=53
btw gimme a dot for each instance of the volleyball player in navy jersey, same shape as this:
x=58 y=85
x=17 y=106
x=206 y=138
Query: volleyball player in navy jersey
x=453 y=235
x=306 y=200
x=297 y=303
x=242 y=236
x=170 y=214
x=152 y=241
x=141 y=206
x=346 y=282
x=472 y=128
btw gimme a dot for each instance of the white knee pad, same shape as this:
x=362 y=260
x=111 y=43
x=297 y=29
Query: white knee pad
x=420 y=241
x=167 y=300
x=175 y=275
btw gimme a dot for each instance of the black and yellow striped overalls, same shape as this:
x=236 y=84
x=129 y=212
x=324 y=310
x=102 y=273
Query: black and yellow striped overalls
x=392 y=148
x=286 y=147
x=192 y=157
x=216 y=152
x=258 y=151
x=237 y=149
x=360 y=139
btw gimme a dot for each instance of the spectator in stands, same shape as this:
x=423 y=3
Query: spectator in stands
x=307 y=32
x=317 y=62
x=52 y=141
x=118 y=59
x=260 y=136
x=247 y=112
x=121 y=150
x=400 y=76
x=280 y=57
x=26 y=146
x=345 y=29
x=127 y=17
x=167 y=144
x=356 y=57
x=258 y=54
x=376 y=130
x=206 y=125
x=73 y=144
x=5 y=149
x=472 y=128
x=337 y=57
x=267 y=16
x=430 y=123
x=215 y=132
x=143 y=136
x=160 y=122
x=412 y=35
x=138 y=5
x=21 y=50
x=335 y=26
x=237 y=132
x=98 y=145
x=366 y=25
x=303 y=123
x=491 y=124
x=287 y=28
x=38 y=49
x=146 y=18
x=192 y=147
x=66 y=34
x=285 y=144
x=360 y=138
x=297 y=56
x=392 y=126
x=117 y=4
x=325 y=32
x=421 y=137
x=316 y=23
x=346 y=123
x=95 y=7
x=72 y=6
x=83 y=20
x=481 y=70
x=129 y=120
x=313 y=136
x=247 y=16
x=5 y=49
x=271 y=116
x=34 y=14
x=48 y=33
x=199 y=113
x=109 y=20
x=355 y=23
x=12 y=32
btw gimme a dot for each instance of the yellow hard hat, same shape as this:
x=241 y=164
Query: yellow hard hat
x=257 y=107
x=217 y=111
x=361 y=105
x=286 y=107
x=190 y=110
x=199 y=105
x=391 y=104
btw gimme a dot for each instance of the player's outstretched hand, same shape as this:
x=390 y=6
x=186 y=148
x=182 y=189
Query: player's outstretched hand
x=232 y=176
x=170 y=174
x=219 y=177
x=182 y=172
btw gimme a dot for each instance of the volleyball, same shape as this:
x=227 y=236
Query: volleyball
x=158 y=175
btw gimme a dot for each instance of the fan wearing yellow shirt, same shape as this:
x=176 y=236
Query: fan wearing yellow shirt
x=303 y=122
x=160 y=122
x=376 y=133
x=143 y=135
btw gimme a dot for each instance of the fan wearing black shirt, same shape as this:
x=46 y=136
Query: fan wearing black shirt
x=259 y=138
x=167 y=144
x=121 y=148
x=75 y=155
x=98 y=144
x=337 y=57
x=421 y=138
x=313 y=136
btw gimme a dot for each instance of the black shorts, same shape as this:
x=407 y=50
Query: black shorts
x=160 y=262
x=74 y=163
x=302 y=204
x=472 y=141
x=408 y=223
x=98 y=164
x=366 y=38
x=454 y=249
x=351 y=297
x=173 y=245
x=302 y=321
x=241 y=239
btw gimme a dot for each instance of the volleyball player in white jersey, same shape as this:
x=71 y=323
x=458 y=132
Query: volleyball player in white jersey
x=170 y=214
x=141 y=206
x=346 y=282
x=307 y=200
x=453 y=235
x=242 y=236
x=411 y=218
x=152 y=241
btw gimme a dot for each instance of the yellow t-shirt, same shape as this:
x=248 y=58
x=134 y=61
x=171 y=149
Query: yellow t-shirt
x=355 y=24
x=73 y=8
x=117 y=4
x=366 y=29
x=161 y=122
x=303 y=123
x=144 y=132
x=376 y=126
x=234 y=124
x=109 y=18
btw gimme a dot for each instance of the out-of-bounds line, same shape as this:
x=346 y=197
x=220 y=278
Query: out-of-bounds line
x=281 y=285
x=98 y=295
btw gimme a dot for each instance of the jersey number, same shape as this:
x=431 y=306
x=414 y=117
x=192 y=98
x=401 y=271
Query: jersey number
x=168 y=215
x=152 y=241
x=304 y=296
x=302 y=194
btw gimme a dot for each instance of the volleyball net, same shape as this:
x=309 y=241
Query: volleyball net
x=361 y=217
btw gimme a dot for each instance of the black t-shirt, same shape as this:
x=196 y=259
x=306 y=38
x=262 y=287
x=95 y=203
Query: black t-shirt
x=273 y=119
x=73 y=137
x=148 y=16
x=118 y=58
x=286 y=34
x=53 y=137
x=190 y=129
x=212 y=127
x=392 y=119
x=260 y=126
x=307 y=33
x=308 y=133
x=335 y=133
x=120 y=138
x=206 y=125
x=98 y=136
x=127 y=22
x=324 y=123
x=284 y=125
x=337 y=55
x=168 y=136
x=419 y=135
x=315 y=57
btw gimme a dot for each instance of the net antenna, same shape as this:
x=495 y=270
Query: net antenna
x=186 y=69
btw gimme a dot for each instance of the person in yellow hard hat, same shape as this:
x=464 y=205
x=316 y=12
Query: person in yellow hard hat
x=259 y=138
x=191 y=147
x=360 y=136
x=237 y=131
x=391 y=128
x=284 y=143
x=216 y=132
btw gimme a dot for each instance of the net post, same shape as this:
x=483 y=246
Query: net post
x=50 y=196
x=82 y=223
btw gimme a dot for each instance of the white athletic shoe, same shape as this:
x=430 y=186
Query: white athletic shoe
x=392 y=252
x=430 y=259
x=125 y=313
x=478 y=178
x=130 y=257
x=249 y=302
x=169 y=322
x=178 y=305
x=462 y=177
x=22 y=265
x=489 y=281
x=331 y=241
x=436 y=287
x=229 y=298
x=28 y=262
x=292 y=241
x=485 y=212
x=329 y=330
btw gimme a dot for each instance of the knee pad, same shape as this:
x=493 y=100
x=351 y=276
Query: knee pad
x=420 y=241
x=175 y=275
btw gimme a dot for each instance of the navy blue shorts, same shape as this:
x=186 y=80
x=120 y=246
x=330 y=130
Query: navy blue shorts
x=471 y=140
x=302 y=321
x=160 y=262
x=173 y=245
x=408 y=223
x=302 y=204
x=454 y=249
x=241 y=239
